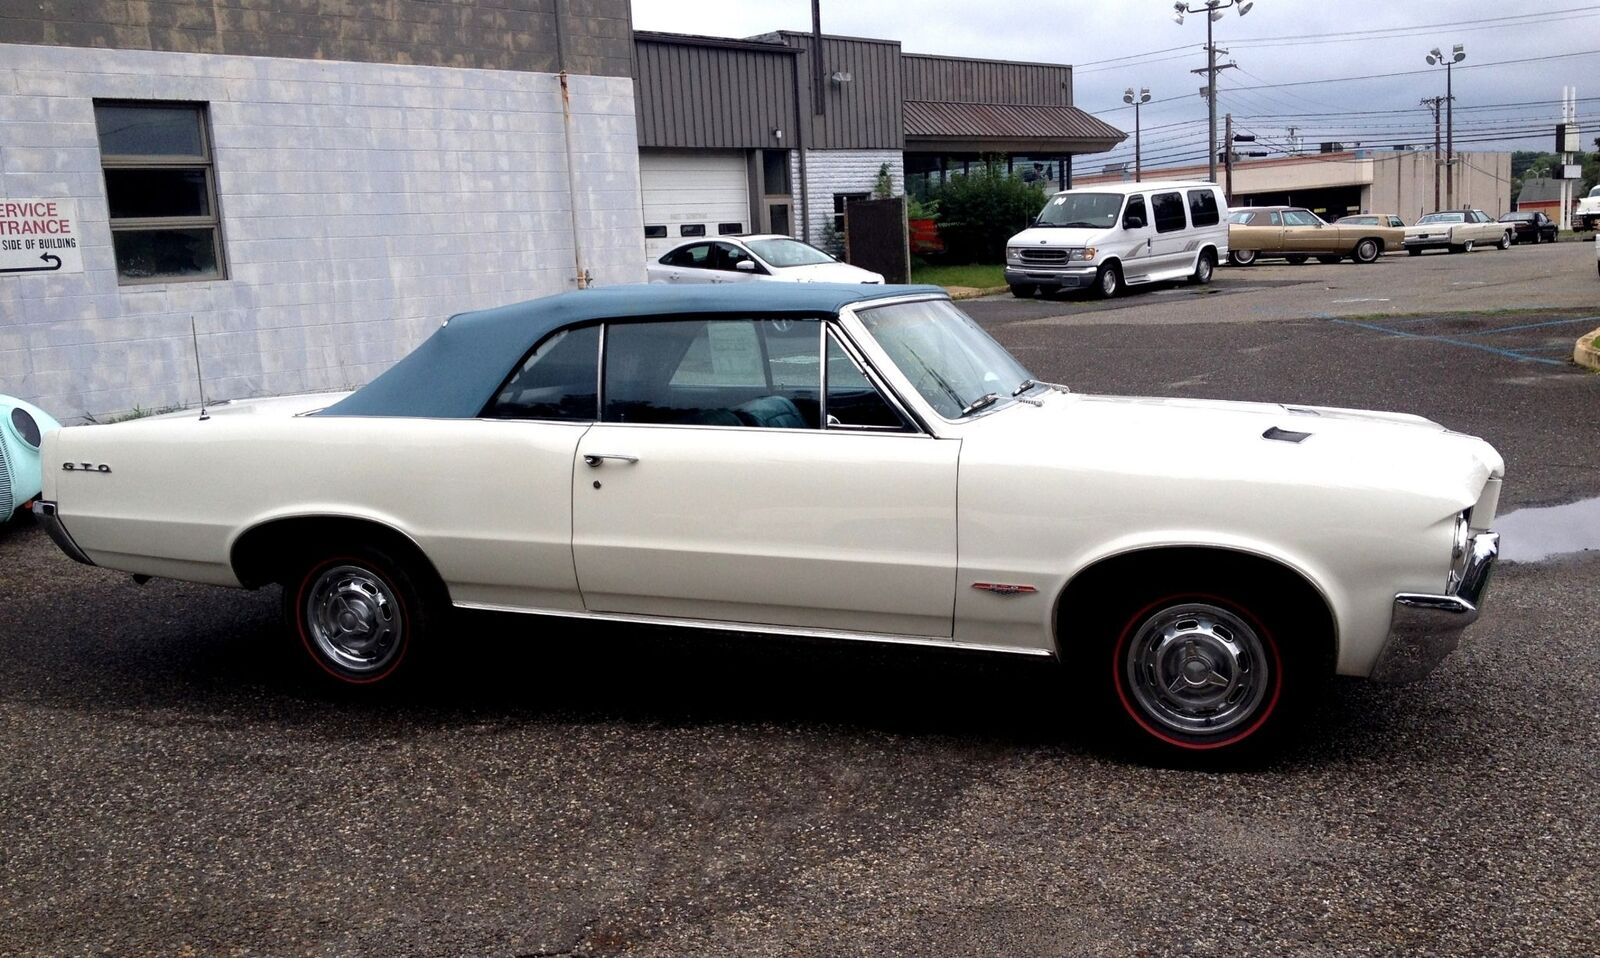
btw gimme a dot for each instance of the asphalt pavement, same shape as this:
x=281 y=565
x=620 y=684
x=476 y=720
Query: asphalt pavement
x=172 y=783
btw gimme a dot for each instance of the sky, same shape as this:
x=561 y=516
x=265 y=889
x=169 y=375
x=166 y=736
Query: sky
x=1330 y=50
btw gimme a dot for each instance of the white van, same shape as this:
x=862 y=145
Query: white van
x=1122 y=234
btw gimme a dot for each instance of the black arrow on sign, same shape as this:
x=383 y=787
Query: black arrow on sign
x=47 y=257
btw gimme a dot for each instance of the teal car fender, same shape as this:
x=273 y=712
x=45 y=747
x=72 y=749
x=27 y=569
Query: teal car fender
x=22 y=427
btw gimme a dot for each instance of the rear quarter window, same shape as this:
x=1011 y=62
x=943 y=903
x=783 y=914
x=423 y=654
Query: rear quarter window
x=1203 y=209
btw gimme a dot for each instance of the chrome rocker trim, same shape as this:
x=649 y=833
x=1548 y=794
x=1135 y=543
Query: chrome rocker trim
x=716 y=625
x=1426 y=628
x=45 y=511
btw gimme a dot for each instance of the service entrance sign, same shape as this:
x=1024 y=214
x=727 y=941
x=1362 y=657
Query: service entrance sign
x=39 y=237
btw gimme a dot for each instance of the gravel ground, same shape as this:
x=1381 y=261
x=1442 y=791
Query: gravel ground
x=173 y=784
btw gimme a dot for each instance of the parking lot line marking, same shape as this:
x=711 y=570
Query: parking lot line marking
x=1553 y=322
x=1454 y=342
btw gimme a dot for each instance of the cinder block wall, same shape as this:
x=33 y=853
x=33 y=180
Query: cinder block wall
x=841 y=171
x=361 y=204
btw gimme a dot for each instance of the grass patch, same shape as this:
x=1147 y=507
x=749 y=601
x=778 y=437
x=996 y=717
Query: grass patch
x=137 y=412
x=979 y=275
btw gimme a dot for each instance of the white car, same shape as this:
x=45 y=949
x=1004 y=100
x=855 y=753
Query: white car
x=1458 y=231
x=842 y=462
x=1587 y=215
x=1106 y=237
x=741 y=259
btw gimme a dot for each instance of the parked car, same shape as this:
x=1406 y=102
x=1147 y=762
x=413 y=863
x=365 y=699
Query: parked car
x=1105 y=238
x=1530 y=227
x=766 y=258
x=1587 y=215
x=1297 y=234
x=842 y=462
x=22 y=427
x=1458 y=231
x=1393 y=228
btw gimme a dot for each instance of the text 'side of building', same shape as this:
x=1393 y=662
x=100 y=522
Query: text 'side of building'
x=314 y=185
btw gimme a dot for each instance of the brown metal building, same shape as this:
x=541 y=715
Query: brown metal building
x=761 y=135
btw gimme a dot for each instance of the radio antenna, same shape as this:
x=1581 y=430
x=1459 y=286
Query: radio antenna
x=199 y=377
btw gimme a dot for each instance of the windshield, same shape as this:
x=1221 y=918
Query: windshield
x=948 y=358
x=1087 y=210
x=787 y=252
x=1594 y=192
x=1442 y=218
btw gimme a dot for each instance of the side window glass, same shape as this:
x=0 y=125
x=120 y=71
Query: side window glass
x=1203 y=208
x=1168 y=209
x=556 y=381
x=853 y=402
x=1274 y=219
x=694 y=257
x=717 y=372
x=1136 y=208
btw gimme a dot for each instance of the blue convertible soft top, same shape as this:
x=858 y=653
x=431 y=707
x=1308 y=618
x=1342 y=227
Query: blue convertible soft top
x=455 y=372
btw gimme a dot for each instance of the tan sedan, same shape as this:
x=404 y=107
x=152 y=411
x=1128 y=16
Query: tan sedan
x=1299 y=234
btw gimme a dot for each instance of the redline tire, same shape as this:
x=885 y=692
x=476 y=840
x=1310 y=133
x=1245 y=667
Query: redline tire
x=359 y=612
x=1148 y=726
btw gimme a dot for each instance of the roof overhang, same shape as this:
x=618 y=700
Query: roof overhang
x=945 y=127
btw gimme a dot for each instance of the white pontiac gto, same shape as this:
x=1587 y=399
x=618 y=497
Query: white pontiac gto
x=812 y=460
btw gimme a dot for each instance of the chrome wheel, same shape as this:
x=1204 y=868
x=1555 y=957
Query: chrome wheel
x=1110 y=280
x=1243 y=257
x=1366 y=251
x=1505 y=241
x=1197 y=669
x=354 y=619
x=1202 y=270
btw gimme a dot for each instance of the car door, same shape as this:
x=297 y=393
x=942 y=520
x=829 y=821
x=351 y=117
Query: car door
x=689 y=264
x=1135 y=244
x=1169 y=250
x=1262 y=231
x=717 y=488
x=724 y=261
x=1304 y=232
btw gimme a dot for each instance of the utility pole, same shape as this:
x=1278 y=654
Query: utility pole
x=1227 y=189
x=1139 y=100
x=1433 y=103
x=1212 y=10
x=1435 y=58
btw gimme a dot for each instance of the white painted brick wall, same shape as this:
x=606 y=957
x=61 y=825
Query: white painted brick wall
x=361 y=205
x=842 y=171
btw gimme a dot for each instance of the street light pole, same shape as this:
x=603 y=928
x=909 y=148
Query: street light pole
x=1213 y=11
x=1434 y=58
x=1137 y=101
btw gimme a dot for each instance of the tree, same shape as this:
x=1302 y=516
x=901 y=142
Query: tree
x=978 y=212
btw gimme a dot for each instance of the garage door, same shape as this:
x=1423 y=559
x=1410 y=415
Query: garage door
x=692 y=194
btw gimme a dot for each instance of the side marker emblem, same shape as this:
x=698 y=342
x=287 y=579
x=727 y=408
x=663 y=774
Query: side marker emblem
x=1004 y=588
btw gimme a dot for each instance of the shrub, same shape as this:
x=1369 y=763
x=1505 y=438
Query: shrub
x=978 y=212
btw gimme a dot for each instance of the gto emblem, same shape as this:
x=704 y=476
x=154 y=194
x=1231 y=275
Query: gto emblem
x=1004 y=588
x=85 y=467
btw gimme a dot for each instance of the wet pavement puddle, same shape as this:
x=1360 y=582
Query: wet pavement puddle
x=1533 y=535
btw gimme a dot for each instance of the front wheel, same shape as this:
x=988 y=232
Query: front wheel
x=1199 y=672
x=1366 y=251
x=359 y=611
x=1024 y=290
x=1108 y=282
x=1505 y=240
x=1242 y=257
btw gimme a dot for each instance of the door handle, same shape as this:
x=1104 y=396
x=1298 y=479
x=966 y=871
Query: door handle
x=597 y=458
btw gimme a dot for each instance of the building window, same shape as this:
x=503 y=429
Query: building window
x=775 y=172
x=655 y=232
x=692 y=229
x=840 y=201
x=161 y=189
x=729 y=229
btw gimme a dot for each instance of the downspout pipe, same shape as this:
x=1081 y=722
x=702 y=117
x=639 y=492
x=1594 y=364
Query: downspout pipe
x=583 y=277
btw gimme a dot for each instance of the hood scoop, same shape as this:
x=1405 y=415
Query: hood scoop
x=1285 y=435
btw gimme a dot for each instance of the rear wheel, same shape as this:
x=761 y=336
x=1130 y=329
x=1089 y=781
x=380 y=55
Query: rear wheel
x=1297 y=259
x=1108 y=282
x=1024 y=290
x=1242 y=257
x=358 y=612
x=1367 y=251
x=1203 y=268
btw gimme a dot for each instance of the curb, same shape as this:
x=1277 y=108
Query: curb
x=1586 y=352
x=973 y=292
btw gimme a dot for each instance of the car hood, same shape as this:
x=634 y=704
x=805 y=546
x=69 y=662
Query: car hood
x=1057 y=236
x=1203 y=440
x=826 y=273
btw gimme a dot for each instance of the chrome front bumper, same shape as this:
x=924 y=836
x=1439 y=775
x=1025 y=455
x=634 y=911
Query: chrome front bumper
x=1426 y=628
x=45 y=512
x=1064 y=276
